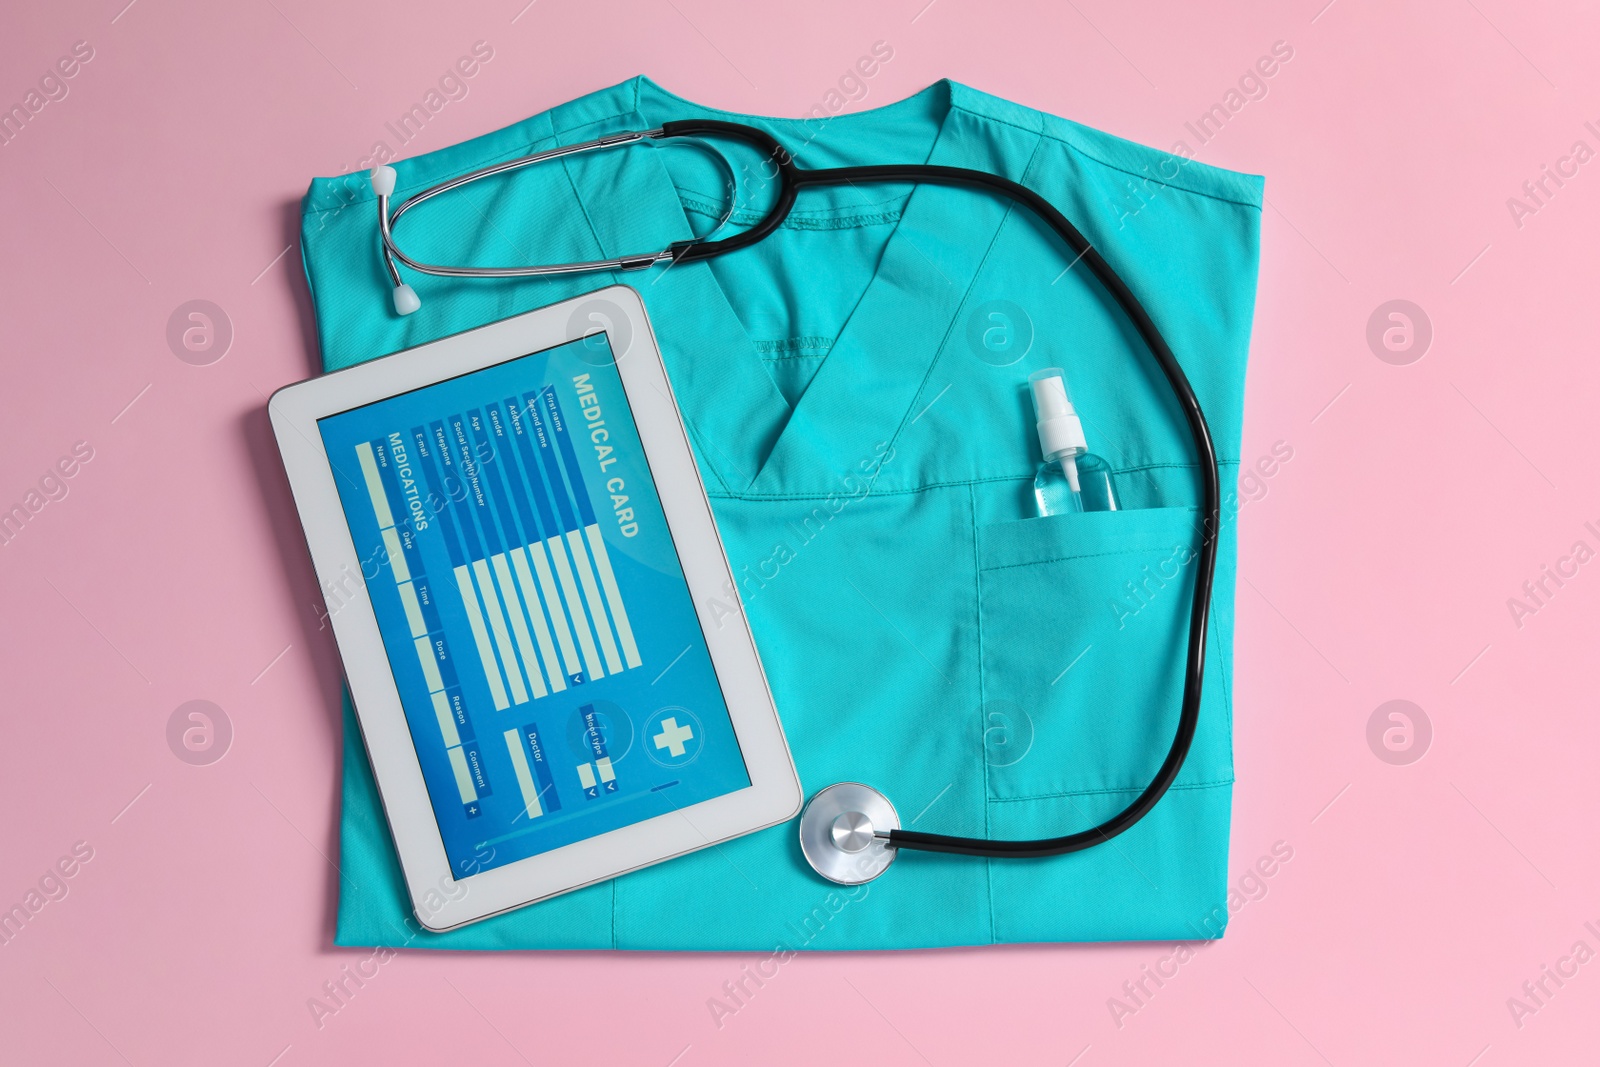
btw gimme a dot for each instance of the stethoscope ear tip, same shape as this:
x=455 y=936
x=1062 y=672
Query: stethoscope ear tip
x=406 y=299
x=383 y=179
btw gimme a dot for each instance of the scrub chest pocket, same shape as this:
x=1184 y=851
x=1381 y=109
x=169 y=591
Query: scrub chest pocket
x=1083 y=620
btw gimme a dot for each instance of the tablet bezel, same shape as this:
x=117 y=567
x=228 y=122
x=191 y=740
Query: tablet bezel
x=437 y=896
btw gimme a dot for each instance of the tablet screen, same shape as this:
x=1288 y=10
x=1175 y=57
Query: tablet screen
x=536 y=618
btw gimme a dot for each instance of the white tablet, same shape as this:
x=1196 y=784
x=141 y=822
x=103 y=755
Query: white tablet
x=521 y=540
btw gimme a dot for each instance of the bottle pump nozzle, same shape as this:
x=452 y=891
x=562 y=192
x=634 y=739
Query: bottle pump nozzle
x=1060 y=430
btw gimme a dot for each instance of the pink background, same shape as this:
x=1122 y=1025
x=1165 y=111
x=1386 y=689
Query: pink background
x=1377 y=566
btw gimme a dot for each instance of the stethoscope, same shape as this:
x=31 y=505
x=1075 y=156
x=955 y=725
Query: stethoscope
x=850 y=832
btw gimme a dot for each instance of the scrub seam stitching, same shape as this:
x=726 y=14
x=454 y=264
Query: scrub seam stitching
x=527 y=147
x=794 y=347
x=583 y=208
x=1043 y=134
x=819 y=495
x=1077 y=556
x=795 y=220
x=966 y=293
x=1218 y=783
x=956 y=483
x=1224 y=660
x=977 y=618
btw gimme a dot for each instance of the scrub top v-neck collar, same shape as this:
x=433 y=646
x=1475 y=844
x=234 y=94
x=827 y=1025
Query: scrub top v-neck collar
x=876 y=367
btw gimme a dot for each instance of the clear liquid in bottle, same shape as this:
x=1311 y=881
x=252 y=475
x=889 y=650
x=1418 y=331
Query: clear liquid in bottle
x=1097 y=487
x=1053 y=487
x=1072 y=484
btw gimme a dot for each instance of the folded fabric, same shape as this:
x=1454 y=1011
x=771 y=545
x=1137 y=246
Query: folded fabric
x=855 y=390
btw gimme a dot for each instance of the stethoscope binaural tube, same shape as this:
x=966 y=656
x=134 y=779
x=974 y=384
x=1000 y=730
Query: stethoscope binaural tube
x=405 y=298
x=841 y=826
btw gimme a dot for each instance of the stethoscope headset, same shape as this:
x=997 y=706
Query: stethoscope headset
x=850 y=832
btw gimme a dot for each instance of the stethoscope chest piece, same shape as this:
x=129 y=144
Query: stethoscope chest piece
x=839 y=833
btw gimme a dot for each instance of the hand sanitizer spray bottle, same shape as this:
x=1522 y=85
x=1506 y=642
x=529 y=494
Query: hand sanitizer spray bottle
x=1070 y=479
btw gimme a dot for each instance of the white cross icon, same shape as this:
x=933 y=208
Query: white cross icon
x=672 y=736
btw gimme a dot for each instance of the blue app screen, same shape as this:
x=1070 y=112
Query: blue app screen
x=542 y=636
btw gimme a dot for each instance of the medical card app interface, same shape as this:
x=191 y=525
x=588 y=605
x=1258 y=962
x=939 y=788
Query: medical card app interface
x=553 y=673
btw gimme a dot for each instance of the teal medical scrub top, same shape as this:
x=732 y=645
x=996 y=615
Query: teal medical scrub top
x=855 y=390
